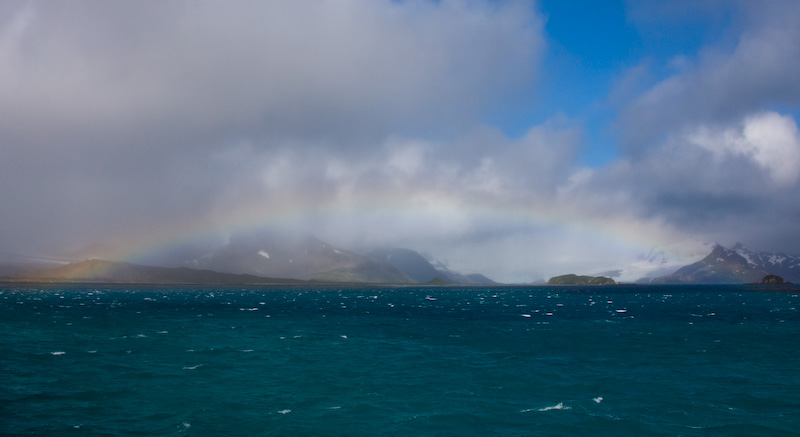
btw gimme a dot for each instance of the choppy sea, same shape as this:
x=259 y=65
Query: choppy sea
x=507 y=361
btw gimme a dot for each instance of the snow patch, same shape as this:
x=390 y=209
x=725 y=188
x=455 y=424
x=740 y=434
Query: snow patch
x=777 y=259
x=748 y=256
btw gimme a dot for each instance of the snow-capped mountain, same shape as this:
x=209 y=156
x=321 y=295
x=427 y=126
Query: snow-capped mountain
x=776 y=263
x=736 y=265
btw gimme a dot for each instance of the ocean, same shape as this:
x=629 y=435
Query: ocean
x=113 y=360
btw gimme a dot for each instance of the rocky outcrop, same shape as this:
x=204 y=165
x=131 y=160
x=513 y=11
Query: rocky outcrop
x=572 y=279
x=772 y=280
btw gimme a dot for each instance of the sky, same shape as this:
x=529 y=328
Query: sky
x=518 y=139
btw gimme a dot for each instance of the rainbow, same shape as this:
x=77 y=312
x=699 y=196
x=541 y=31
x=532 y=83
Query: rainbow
x=452 y=215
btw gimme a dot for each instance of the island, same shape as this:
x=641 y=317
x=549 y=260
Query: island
x=773 y=280
x=573 y=279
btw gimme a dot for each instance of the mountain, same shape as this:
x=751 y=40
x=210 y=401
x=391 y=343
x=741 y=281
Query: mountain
x=12 y=264
x=737 y=265
x=304 y=258
x=414 y=265
x=572 y=279
x=657 y=261
x=109 y=271
x=421 y=269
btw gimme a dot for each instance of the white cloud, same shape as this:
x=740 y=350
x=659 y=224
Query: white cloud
x=771 y=140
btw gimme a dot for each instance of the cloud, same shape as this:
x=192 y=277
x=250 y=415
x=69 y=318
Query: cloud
x=120 y=118
x=769 y=139
x=333 y=70
x=364 y=122
x=517 y=209
x=711 y=149
x=724 y=182
x=723 y=84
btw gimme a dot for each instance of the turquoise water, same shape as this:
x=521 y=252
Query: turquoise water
x=114 y=360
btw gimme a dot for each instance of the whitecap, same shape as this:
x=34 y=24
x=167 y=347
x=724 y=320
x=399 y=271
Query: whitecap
x=527 y=316
x=343 y=336
x=558 y=406
x=622 y=310
x=57 y=353
x=598 y=399
x=285 y=411
x=192 y=367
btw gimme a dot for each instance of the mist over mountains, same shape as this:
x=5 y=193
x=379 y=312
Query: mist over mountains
x=297 y=257
x=421 y=268
x=280 y=257
x=309 y=258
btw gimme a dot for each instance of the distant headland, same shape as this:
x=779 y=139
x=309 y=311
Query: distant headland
x=572 y=279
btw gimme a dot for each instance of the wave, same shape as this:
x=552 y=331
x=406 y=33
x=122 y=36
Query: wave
x=558 y=406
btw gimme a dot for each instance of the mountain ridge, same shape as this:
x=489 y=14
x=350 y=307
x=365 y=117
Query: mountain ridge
x=304 y=258
x=423 y=269
x=736 y=265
